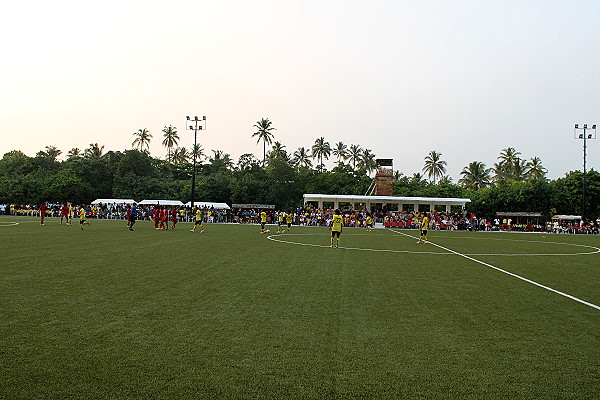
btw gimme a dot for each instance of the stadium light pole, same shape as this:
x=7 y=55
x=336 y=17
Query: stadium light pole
x=199 y=124
x=584 y=133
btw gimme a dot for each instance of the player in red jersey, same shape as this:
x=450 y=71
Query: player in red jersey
x=128 y=216
x=156 y=215
x=164 y=219
x=42 y=212
x=174 y=218
x=64 y=213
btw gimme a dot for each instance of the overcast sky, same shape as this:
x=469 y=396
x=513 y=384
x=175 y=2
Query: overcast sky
x=402 y=78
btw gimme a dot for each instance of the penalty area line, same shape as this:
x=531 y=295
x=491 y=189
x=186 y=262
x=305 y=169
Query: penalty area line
x=508 y=273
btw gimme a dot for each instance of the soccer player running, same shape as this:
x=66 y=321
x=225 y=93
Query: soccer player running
x=82 y=219
x=369 y=222
x=336 y=229
x=280 y=218
x=174 y=218
x=424 y=226
x=288 y=219
x=198 y=221
x=42 y=212
x=64 y=213
x=132 y=216
x=263 y=221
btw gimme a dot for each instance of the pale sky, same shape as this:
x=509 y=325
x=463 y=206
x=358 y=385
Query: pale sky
x=402 y=78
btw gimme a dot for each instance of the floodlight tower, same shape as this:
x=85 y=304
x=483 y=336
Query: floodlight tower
x=584 y=133
x=199 y=124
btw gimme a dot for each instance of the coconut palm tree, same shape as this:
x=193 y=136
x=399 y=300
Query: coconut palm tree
x=197 y=152
x=265 y=134
x=321 y=149
x=434 y=167
x=367 y=161
x=475 y=176
x=170 y=139
x=220 y=158
x=302 y=158
x=94 y=151
x=355 y=155
x=181 y=155
x=278 y=150
x=535 y=169
x=51 y=153
x=142 y=140
x=74 y=153
x=340 y=151
x=508 y=155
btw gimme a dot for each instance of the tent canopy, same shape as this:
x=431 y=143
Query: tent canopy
x=208 y=204
x=567 y=217
x=114 y=201
x=161 y=202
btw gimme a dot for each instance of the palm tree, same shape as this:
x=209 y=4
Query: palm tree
x=340 y=151
x=355 y=154
x=51 y=153
x=74 y=153
x=220 y=158
x=508 y=155
x=171 y=138
x=142 y=140
x=302 y=158
x=535 y=169
x=197 y=152
x=475 y=176
x=278 y=151
x=321 y=149
x=264 y=133
x=181 y=156
x=367 y=160
x=434 y=167
x=94 y=151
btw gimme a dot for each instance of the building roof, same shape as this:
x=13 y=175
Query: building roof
x=384 y=199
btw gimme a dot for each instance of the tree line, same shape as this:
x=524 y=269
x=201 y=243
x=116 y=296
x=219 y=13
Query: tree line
x=281 y=177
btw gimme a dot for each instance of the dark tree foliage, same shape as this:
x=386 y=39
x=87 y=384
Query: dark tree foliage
x=135 y=174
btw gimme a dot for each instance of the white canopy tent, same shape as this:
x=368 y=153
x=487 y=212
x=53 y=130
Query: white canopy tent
x=114 y=201
x=208 y=204
x=567 y=217
x=160 y=203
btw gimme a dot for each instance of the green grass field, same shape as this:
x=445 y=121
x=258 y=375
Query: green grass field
x=229 y=314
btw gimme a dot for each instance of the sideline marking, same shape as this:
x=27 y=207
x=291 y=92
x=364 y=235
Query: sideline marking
x=508 y=273
x=8 y=223
x=597 y=250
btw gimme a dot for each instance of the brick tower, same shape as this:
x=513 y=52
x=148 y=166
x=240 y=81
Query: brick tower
x=384 y=177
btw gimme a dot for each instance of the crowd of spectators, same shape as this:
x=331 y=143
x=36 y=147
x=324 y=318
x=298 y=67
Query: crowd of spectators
x=309 y=216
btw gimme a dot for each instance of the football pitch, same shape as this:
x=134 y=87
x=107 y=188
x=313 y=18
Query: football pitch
x=106 y=313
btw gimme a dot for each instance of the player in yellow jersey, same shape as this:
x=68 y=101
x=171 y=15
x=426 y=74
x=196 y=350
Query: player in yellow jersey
x=198 y=221
x=280 y=219
x=82 y=220
x=369 y=222
x=424 y=226
x=263 y=221
x=336 y=228
x=70 y=219
x=288 y=220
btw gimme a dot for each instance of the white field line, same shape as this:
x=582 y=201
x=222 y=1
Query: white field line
x=272 y=237
x=509 y=273
x=597 y=250
x=8 y=223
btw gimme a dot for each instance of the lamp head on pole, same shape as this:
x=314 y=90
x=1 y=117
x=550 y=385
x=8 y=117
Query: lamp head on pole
x=188 y=118
x=576 y=126
x=594 y=126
